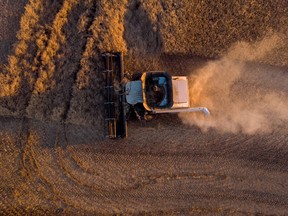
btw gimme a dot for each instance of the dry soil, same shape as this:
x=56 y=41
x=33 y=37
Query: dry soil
x=53 y=156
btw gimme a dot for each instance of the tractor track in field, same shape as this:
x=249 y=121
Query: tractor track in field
x=57 y=169
x=68 y=169
x=54 y=159
x=91 y=15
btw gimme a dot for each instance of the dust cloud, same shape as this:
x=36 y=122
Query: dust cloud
x=243 y=96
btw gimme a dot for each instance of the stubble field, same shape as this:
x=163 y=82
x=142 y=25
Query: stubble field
x=54 y=158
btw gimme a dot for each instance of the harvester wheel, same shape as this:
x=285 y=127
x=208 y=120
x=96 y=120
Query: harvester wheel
x=149 y=117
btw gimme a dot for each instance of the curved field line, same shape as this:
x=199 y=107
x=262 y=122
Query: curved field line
x=91 y=15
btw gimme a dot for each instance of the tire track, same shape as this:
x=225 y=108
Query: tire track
x=23 y=144
x=64 y=160
x=86 y=106
x=92 y=198
x=130 y=181
x=149 y=180
x=27 y=154
x=34 y=182
x=271 y=153
x=195 y=210
x=58 y=177
x=10 y=164
x=35 y=177
x=90 y=17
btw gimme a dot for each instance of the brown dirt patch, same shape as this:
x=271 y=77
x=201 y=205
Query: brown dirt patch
x=54 y=159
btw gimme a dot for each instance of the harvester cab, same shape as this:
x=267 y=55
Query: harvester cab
x=147 y=94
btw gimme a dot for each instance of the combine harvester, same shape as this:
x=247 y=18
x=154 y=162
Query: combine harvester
x=145 y=94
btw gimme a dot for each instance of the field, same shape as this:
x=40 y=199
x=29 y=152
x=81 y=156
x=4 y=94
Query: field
x=54 y=158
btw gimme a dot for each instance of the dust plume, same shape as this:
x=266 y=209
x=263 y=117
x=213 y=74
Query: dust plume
x=242 y=95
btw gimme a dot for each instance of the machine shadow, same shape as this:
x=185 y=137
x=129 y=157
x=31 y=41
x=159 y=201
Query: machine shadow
x=142 y=36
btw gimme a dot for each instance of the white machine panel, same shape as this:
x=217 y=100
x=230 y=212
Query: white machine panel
x=180 y=92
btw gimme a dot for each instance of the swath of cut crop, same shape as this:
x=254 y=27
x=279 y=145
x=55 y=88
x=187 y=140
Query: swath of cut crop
x=81 y=44
x=16 y=80
x=105 y=34
x=47 y=98
x=235 y=104
x=85 y=84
